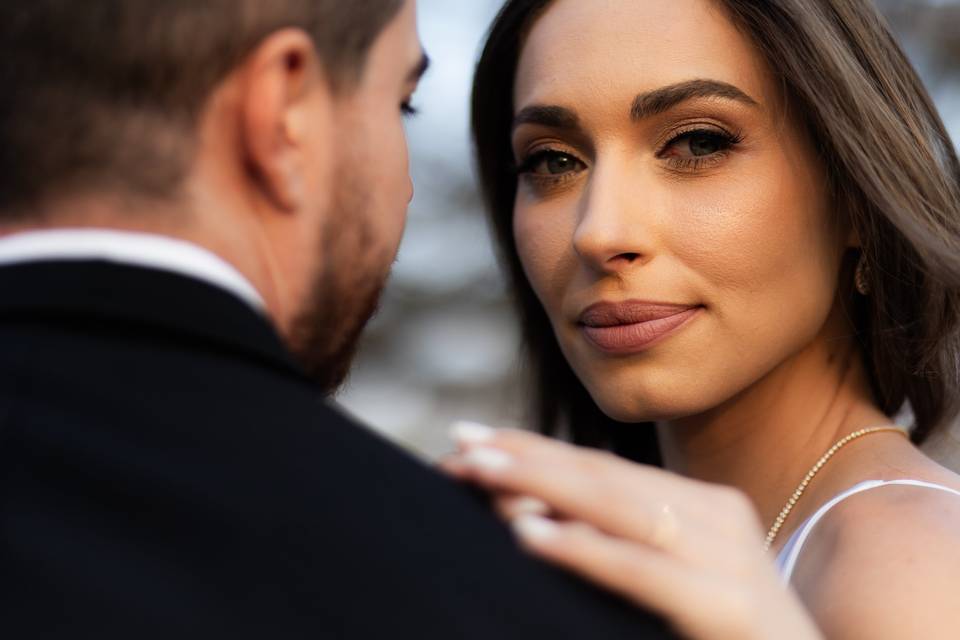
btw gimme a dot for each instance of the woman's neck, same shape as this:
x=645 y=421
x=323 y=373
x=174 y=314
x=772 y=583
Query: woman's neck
x=764 y=440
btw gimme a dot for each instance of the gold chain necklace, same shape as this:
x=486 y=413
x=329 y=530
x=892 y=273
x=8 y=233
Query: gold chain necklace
x=787 y=508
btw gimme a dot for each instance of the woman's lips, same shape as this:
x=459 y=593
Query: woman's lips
x=631 y=327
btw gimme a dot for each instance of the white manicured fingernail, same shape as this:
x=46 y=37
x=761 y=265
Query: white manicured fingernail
x=528 y=505
x=534 y=528
x=471 y=432
x=487 y=459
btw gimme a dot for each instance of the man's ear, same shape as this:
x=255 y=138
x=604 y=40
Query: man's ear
x=283 y=87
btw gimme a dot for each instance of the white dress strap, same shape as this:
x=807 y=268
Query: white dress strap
x=787 y=558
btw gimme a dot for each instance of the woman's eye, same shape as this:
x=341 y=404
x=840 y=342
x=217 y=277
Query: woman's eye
x=697 y=144
x=550 y=163
x=704 y=145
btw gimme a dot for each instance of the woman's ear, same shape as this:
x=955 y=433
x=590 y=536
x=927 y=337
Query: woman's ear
x=284 y=96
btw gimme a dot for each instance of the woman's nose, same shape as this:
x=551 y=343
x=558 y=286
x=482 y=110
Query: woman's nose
x=614 y=227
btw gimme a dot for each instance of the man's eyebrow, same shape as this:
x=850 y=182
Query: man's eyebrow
x=421 y=68
x=659 y=100
x=548 y=116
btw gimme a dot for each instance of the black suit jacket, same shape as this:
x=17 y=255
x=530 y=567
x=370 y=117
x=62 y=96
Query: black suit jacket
x=166 y=471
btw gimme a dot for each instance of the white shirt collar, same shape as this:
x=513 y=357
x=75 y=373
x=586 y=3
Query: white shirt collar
x=131 y=248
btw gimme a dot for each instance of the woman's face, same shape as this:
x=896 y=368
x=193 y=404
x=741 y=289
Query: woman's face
x=670 y=215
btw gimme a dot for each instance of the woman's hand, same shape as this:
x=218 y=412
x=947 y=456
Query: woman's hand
x=688 y=550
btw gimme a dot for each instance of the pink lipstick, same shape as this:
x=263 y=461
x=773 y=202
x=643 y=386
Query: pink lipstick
x=632 y=326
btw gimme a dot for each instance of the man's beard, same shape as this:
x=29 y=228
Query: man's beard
x=345 y=291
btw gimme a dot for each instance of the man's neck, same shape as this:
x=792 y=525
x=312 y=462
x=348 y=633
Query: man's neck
x=232 y=245
x=136 y=249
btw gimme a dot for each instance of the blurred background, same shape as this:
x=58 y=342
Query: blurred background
x=445 y=345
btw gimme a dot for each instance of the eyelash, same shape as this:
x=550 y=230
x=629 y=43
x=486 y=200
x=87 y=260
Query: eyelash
x=526 y=167
x=408 y=110
x=726 y=142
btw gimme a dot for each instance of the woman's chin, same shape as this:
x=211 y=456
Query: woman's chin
x=639 y=407
x=634 y=412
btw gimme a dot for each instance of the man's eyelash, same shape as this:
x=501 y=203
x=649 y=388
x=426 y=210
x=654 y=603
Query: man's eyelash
x=408 y=110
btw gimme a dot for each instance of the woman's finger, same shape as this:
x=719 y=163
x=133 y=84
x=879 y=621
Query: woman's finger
x=616 y=496
x=511 y=507
x=454 y=466
x=648 y=578
x=534 y=448
x=699 y=603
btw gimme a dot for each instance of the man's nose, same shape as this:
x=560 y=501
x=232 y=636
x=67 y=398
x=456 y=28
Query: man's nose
x=615 y=227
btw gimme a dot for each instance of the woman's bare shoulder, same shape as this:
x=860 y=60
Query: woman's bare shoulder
x=884 y=562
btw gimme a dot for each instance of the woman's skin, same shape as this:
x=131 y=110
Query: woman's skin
x=659 y=162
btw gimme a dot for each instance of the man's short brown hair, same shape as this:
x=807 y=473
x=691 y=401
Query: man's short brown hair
x=106 y=93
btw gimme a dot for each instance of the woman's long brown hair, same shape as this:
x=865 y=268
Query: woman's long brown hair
x=892 y=171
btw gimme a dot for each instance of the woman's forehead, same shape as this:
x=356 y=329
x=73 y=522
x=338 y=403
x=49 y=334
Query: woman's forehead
x=608 y=51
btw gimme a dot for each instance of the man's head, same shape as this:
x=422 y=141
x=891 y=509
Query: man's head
x=269 y=132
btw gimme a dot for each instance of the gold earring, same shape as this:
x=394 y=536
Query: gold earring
x=862 y=275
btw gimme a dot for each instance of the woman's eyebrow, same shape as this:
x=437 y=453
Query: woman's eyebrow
x=644 y=105
x=659 y=100
x=548 y=116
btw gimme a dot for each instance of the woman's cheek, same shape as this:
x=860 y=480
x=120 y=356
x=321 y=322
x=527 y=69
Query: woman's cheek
x=720 y=231
x=544 y=239
x=753 y=232
x=762 y=251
